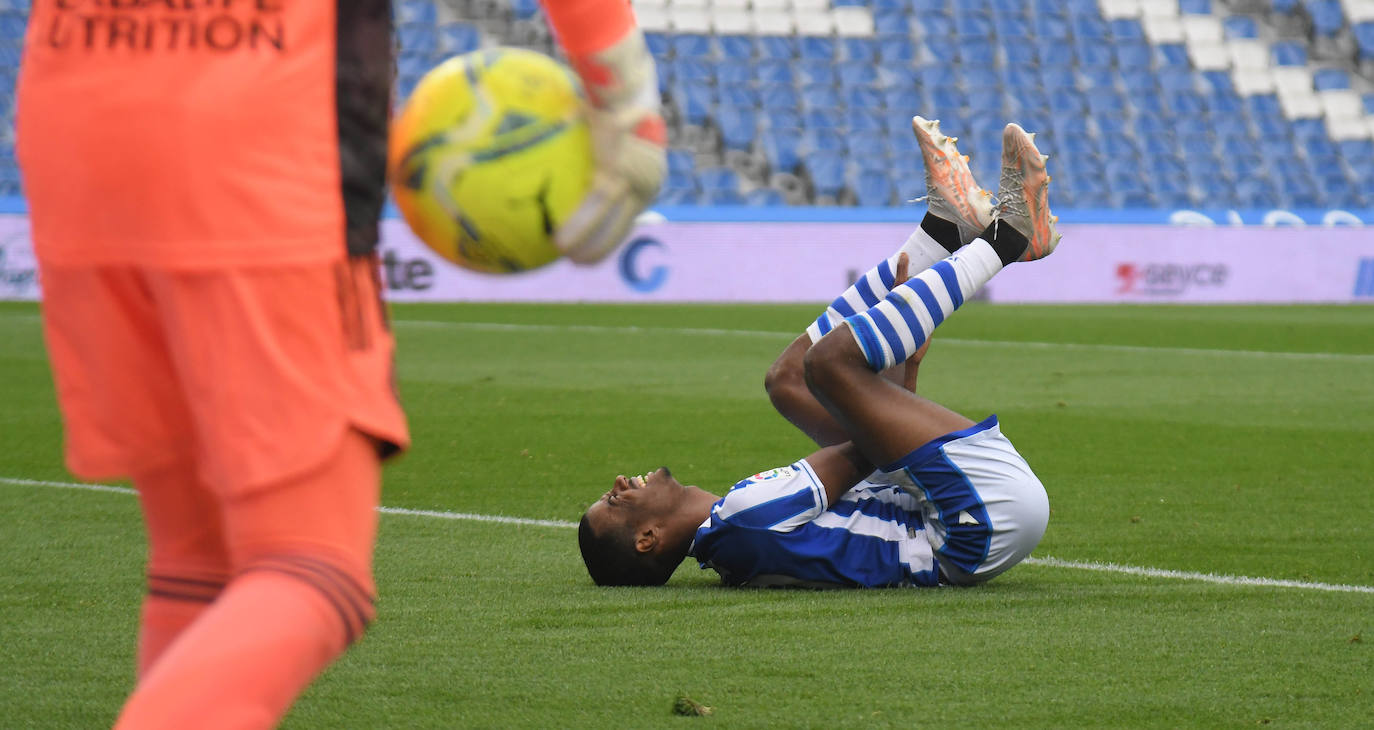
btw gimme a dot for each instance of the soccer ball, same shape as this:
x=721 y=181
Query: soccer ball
x=489 y=155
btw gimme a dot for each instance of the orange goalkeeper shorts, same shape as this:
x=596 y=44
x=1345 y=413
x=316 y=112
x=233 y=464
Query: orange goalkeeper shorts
x=252 y=374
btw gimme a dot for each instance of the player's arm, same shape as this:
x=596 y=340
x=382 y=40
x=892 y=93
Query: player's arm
x=839 y=468
x=606 y=47
x=787 y=389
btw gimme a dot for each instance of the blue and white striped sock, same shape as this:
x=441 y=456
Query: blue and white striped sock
x=921 y=251
x=894 y=328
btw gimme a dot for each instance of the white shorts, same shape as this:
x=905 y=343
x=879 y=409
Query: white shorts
x=983 y=508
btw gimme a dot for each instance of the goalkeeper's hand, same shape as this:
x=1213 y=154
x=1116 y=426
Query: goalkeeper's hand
x=628 y=139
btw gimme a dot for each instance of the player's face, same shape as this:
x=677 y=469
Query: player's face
x=632 y=499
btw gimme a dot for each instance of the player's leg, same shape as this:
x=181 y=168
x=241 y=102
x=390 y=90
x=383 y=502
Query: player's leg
x=298 y=491
x=957 y=211
x=303 y=591
x=125 y=416
x=842 y=369
x=188 y=560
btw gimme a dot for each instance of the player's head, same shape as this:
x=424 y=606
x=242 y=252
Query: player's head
x=637 y=533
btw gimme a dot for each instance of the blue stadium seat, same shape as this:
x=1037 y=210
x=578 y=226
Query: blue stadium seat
x=940 y=49
x=1289 y=53
x=856 y=73
x=692 y=69
x=826 y=170
x=936 y=25
x=1057 y=78
x=860 y=122
x=681 y=161
x=717 y=178
x=821 y=47
x=415 y=11
x=1240 y=27
x=1027 y=100
x=1127 y=29
x=733 y=72
x=1021 y=53
x=859 y=49
x=779 y=96
x=891 y=22
x=822 y=119
x=776 y=46
x=1324 y=79
x=781 y=149
x=817 y=96
x=737 y=126
x=735 y=48
x=1139 y=80
x=457 y=38
x=1195 y=7
x=945 y=99
x=868 y=149
x=690 y=45
x=764 y=197
x=905 y=100
x=1090 y=28
x=873 y=188
x=1055 y=52
x=1068 y=101
x=1051 y=27
x=975 y=79
x=1092 y=80
x=721 y=196
x=1172 y=55
x=1104 y=102
x=1219 y=82
x=1013 y=28
x=1185 y=102
x=1096 y=54
x=985 y=100
x=896 y=76
x=978 y=52
x=815 y=71
x=657 y=43
x=524 y=9
x=1132 y=54
x=1327 y=17
x=896 y=49
x=696 y=100
x=773 y=71
x=781 y=119
x=862 y=97
x=1364 y=38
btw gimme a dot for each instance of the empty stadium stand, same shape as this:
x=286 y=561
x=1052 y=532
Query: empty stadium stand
x=1140 y=103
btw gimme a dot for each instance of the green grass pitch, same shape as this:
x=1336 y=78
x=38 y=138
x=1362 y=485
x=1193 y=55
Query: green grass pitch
x=1203 y=440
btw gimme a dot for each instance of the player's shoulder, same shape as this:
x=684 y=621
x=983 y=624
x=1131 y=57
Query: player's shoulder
x=781 y=494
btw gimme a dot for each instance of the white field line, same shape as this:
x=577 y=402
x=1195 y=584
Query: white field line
x=715 y=332
x=1235 y=580
x=769 y=334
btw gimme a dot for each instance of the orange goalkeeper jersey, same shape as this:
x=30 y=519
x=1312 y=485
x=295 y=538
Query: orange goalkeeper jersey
x=204 y=133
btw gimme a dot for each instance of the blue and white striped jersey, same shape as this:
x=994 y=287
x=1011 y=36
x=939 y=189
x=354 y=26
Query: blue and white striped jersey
x=775 y=528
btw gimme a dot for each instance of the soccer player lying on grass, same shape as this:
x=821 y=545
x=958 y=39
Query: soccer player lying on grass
x=903 y=492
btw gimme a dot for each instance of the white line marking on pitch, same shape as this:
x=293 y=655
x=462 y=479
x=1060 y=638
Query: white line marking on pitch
x=716 y=332
x=713 y=332
x=1236 y=580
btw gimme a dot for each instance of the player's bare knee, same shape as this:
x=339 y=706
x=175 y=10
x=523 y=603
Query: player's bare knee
x=824 y=364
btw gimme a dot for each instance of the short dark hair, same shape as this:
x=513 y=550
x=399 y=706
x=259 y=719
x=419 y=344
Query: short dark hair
x=612 y=560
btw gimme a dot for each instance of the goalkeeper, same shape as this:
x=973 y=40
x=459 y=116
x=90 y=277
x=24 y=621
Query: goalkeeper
x=204 y=182
x=903 y=492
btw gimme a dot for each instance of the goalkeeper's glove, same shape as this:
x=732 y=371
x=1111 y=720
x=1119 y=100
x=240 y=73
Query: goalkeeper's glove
x=628 y=139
